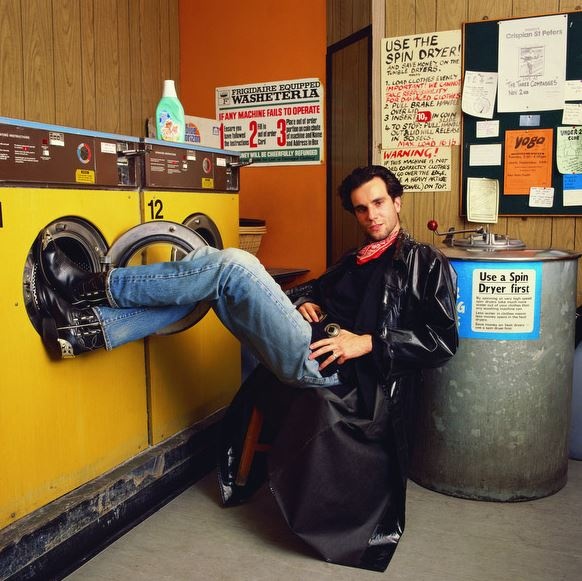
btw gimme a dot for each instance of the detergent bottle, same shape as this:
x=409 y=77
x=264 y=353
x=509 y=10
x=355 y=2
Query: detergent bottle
x=170 y=125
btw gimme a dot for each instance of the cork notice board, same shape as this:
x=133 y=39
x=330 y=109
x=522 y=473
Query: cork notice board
x=481 y=54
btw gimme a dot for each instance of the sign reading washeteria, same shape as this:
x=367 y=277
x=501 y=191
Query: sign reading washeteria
x=275 y=123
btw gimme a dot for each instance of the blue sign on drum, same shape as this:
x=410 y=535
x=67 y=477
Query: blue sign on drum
x=499 y=300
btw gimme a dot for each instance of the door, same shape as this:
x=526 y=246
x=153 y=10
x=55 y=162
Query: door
x=349 y=131
x=85 y=245
x=157 y=242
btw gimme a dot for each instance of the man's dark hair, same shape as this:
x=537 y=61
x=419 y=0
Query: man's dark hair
x=361 y=176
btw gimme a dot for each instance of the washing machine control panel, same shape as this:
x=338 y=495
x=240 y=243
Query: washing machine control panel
x=47 y=155
x=171 y=167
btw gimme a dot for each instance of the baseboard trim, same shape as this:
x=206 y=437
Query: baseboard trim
x=56 y=539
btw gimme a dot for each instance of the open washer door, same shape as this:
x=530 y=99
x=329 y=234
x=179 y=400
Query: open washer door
x=81 y=241
x=146 y=243
x=160 y=241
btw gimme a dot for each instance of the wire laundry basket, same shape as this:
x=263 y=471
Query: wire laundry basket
x=251 y=232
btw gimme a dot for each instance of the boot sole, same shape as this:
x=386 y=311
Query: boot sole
x=50 y=339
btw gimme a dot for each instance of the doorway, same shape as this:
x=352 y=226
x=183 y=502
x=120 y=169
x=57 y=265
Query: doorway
x=349 y=131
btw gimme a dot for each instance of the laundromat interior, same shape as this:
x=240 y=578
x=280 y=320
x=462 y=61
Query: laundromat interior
x=108 y=462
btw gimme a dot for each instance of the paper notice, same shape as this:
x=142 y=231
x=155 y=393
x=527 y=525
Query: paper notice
x=569 y=149
x=532 y=63
x=573 y=90
x=541 y=197
x=482 y=200
x=528 y=160
x=487 y=154
x=479 y=91
x=487 y=129
x=573 y=190
x=572 y=114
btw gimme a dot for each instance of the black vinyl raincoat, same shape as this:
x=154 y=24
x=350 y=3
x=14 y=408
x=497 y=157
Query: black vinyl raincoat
x=338 y=459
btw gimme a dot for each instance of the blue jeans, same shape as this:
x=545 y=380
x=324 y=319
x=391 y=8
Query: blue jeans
x=244 y=296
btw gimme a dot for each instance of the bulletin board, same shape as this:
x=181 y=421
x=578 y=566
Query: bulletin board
x=480 y=53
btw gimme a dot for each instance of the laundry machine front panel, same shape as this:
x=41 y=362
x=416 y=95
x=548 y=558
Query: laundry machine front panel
x=179 y=166
x=66 y=421
x=37 y=153
x=196 y=372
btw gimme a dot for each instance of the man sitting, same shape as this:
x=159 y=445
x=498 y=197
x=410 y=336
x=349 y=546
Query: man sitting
x=361 y=331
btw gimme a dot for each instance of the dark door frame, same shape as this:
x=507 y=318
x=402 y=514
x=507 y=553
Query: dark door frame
x=364 y=33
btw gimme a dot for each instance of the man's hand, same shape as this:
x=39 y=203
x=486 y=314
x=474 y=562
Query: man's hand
x=341 y=348
x=310 y=312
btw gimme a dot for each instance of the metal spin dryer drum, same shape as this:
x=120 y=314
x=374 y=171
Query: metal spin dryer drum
x=492 y=424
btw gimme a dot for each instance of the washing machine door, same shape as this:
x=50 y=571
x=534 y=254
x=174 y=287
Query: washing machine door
x=159 y=241
x=205 y=227
x=81 y=241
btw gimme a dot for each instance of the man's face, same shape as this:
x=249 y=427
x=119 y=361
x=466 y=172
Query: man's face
x=376 y=212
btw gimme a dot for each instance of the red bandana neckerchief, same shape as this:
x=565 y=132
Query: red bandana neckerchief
x=375 y=249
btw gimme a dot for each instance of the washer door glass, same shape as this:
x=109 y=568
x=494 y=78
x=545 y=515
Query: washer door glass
x=159 y=241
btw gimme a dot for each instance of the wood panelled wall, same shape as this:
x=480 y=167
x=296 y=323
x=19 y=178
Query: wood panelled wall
x=402 y=17
x=93 y=64
x=344 y=17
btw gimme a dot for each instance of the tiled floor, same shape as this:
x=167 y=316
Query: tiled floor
x=446 y=539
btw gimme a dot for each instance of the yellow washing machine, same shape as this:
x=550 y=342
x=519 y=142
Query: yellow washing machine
x=64 y=423
x=195 y=372
x=61 y=423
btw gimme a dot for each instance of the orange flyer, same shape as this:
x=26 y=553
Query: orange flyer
x=528 y=160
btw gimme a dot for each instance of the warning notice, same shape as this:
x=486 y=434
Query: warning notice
x=275 y=123
x=499 y=301
x=422 y=169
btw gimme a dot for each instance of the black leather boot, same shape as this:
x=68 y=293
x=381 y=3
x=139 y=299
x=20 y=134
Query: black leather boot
x=67 y=331
x=79 y=287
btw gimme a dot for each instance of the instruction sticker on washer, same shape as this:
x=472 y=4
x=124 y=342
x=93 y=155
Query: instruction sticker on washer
x=499 y=300
x=56 y=138
x=107 y=147
x=85 y=176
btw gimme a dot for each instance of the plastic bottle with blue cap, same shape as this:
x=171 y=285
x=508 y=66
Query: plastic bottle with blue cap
x=170 y=123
